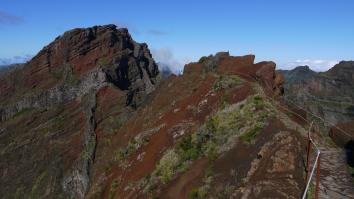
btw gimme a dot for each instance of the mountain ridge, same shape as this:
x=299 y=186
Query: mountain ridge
x=327 y=94
x=90 y=117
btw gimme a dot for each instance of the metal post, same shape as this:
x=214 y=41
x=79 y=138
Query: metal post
x=309 y=145
x=311 y=174
x=318 y=177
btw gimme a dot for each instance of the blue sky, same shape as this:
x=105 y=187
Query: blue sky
x=314 y=32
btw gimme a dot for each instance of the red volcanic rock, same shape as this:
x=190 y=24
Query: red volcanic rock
x=266 y=71
x=82 y=59
x=192 y=68
x=279 y=79
x=279 y=83
x=237 y=64
x=243 y=66
x=79 y=51
x=83 y=49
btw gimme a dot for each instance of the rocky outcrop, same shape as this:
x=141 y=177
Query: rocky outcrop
x=59 y=94
x=243 y=66
x=78 y=61
x=267 y=175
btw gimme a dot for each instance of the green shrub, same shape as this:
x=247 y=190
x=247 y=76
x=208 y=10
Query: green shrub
x=20 y=193
x=250 y=136
x=210 y=151
x=112 y=191
x=310 y=191
x=198 y=193
x=351 y=170
x=223 y=102
x=37 y=184
x=227 y=81
x=131 y=148
x=104 y=62
x=73 y=81
x=167 y=166
x=242 y=120
x=89 y=149
x=22 y=112
x=202 y=191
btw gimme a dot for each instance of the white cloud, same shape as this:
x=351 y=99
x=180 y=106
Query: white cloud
x=15 y=60
x=314 y=64
x=165 y=57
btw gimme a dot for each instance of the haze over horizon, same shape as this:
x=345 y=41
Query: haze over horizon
x=315 y=33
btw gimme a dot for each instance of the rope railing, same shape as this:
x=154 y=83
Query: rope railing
x=316 y=164
x=297 y=106
x=320 y=118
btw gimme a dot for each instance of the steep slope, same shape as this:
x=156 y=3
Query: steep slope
x=48 y=109
x=212 y=132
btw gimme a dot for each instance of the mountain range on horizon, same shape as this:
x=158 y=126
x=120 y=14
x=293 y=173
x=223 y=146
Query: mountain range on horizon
x=93 y=115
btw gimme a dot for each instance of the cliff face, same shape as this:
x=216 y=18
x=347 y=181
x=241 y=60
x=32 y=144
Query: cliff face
x=88 y=118
x=79 y=61
x=296 y=75
x=328 y=94
x=47 y=110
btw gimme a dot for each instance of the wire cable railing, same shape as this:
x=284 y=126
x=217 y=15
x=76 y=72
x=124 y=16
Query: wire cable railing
x=311 y=142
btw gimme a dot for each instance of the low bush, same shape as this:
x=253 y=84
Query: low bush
x=167 y=166
x=250 y=136
x=131 y=148
x=227 y=81
x=112 y=191
x=242 y=120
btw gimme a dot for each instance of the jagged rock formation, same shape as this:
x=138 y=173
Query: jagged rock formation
x=76 y=62
x=52 y=100
x=88 y=118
